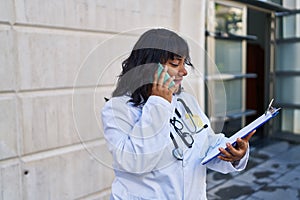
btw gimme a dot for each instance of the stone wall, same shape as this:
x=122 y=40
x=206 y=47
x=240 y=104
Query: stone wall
x=58 y=59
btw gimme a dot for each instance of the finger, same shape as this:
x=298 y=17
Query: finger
x=233 y=151
x=155 y=77
x=247 y=138
x=225 y=158
x=174 y=88
x=242 y=144
x=167 y=83
x=225 y=153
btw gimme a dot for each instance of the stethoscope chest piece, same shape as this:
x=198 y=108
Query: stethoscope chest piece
x=178 y=153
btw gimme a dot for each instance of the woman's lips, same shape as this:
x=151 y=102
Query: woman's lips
x=178 y=81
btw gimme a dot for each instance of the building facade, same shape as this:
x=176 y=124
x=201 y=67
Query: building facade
x=253 y=47
x=60 y=58
x=51 y=142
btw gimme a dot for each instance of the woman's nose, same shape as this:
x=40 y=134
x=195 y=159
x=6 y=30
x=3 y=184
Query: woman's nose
x=182 y=71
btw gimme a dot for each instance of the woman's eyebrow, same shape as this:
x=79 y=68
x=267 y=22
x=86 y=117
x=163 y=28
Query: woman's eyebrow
x=178 y=58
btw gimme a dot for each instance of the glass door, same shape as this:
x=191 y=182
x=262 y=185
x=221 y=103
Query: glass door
x=226 y=39
x=286 y=72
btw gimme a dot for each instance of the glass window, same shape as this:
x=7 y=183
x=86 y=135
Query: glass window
x=287 y=60
x=288 y=26
x=229 y=19
x=289 y=120
x=233 y=97
x=229 y=56
x=216 y=97
x=287 y=89
x=225 y=97
x=287 y=56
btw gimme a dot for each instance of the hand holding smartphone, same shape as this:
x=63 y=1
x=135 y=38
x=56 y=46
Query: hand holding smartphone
x=160 y=90
x=167 y=76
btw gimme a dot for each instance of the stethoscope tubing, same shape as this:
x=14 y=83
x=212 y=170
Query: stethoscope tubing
x=182 y=135
x=190 y=114
x=177 y=151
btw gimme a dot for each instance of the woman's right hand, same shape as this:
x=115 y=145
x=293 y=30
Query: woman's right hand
x=159 y=88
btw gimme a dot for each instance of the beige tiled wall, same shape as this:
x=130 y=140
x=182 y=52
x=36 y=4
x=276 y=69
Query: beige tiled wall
x=58 y=60
x=8 y=127
x=7 y=57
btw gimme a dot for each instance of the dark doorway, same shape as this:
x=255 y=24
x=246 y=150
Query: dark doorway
x=256 y=53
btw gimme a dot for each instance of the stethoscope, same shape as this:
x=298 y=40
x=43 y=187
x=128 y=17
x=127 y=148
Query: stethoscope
x=186 y=137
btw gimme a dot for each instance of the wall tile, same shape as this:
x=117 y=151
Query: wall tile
x=67 y=175
x=10 y=183
x=6 y=11
x=7 y=58
x=8 y=128
x=54 y=59
x=112 y=15
x=51 y=119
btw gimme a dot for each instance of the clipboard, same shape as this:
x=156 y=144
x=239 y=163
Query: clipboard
x=269 y=114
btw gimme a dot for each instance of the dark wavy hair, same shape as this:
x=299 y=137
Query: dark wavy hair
x=153 y=47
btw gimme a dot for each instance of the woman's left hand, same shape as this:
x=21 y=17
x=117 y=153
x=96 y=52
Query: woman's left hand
x=237 y=152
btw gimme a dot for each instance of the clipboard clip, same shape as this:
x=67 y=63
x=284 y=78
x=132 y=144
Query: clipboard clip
x=270 y=108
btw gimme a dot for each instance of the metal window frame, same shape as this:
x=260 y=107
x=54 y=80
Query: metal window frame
x=265 y=5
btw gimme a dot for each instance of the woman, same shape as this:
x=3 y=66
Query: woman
x=157 y=133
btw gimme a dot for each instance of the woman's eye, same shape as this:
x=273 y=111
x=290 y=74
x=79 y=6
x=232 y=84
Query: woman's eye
x=174 y=64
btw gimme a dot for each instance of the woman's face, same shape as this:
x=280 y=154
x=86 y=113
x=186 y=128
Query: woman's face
x=176 y=68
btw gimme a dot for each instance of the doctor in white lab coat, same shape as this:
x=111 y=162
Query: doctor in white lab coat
x=157 y=133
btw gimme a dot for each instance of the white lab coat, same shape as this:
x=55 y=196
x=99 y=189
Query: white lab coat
x=139 y=140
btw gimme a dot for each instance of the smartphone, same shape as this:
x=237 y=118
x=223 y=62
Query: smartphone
x=167 y=76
